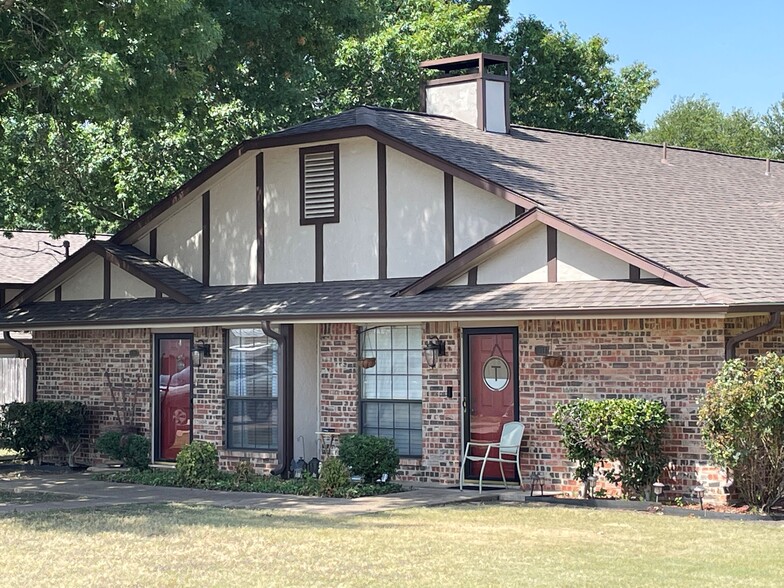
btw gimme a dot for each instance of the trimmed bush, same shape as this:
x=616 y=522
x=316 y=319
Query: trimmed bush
x=31 y=429
x=334 y=478
x=197 y=463
x=369 y=456
x=109 y=444
x=627 y=430
x=131 y=449
x=742 y=420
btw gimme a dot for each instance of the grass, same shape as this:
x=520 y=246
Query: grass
x=457 y=546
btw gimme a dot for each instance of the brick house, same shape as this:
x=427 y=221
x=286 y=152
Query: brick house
x=422 y=276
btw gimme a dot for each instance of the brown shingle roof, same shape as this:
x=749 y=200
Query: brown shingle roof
x=372 y=300
x=717 y=219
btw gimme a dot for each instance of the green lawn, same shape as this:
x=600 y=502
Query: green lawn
x=484 y=545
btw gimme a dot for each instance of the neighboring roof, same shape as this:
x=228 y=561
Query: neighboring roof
x=717 y=219
x=372 y=300
x=28 y=255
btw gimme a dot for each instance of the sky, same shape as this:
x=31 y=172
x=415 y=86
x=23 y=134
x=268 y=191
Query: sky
x=733 y=52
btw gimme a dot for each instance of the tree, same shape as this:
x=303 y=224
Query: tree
x=105 y=107
x=699 y=123
x=560 y=81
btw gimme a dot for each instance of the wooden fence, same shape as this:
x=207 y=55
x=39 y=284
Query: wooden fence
x=13 y=380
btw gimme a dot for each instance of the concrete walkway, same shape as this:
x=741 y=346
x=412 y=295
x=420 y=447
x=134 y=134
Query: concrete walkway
x=79 y=491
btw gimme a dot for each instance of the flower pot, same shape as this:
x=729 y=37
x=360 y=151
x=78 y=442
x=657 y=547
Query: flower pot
x=553 y=361
x=367 y=362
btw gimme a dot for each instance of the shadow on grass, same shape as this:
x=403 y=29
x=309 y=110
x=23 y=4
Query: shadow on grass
x=171 y=519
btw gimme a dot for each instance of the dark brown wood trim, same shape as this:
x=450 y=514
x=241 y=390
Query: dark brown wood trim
x=58 y=294
x=154 y=253
x=490 y=58
x=206 y=243
x=634 y=273
x=335 y=148
x=2 y=296
x=271 y=141
x=469 y=258
x=260 y=218
x=473 y=275
x=552 y=254
x=44 y=284
x=465 y=260
x=508 y=104
x=154 y=243
x=107 y=279
x=319 y=252
x=381 y=158
x=449 y=216
x=519 y=210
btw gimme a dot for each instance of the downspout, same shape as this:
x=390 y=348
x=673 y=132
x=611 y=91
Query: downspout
x=32 y=364
x=732 y=342
x=285 y=396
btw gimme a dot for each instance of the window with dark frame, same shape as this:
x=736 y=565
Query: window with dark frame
x=391 y=391
x=319 y=191
x=252 y=390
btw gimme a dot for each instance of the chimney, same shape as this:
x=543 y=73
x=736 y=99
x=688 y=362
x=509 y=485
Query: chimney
x=467 y=90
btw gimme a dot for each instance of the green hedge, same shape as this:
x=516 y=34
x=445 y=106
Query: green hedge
x=369 y=456
x=629 y=431
x=31 y=429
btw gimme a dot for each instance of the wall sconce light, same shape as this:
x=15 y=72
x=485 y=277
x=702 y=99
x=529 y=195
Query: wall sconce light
x=434 y=348
x=201 y=349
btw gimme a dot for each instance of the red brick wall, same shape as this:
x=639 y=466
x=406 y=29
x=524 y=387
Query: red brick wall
x=666 y=359
x=72 y=366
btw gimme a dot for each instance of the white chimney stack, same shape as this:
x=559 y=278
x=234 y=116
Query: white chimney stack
x=467 y=91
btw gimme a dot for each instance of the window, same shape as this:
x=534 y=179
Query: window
x=252 y=392
x=319 y=184
x=392 y=389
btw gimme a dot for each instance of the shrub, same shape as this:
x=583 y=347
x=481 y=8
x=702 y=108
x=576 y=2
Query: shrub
x=136 y=451
x=742 y=419
x=629 y=431
x=132 y=450
x=197 y=463
x=31 y=429
x=69 y=423
x=244 y=473
x=369 y=456
x=109 y=444
x=334 y=478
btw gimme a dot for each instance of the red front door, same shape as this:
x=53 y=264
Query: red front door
x=492 y=396
x=173 y=403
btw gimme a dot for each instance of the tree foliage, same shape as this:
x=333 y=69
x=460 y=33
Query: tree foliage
x=699 y=123
x=742 y=419
x=560 y=81
x=107 y=106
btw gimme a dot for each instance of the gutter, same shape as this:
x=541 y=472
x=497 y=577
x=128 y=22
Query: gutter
x=733 y=342
x=32 y=364
x=285 y=394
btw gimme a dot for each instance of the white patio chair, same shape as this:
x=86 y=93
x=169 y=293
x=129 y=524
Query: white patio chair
x=508 y=452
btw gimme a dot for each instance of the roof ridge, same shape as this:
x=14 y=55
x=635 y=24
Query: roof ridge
x=643 y=143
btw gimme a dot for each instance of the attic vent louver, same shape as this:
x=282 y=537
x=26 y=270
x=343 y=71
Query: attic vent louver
x=319 y=185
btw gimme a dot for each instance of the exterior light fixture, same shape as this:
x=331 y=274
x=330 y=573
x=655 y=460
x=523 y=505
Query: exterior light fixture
x=699 y=491
x=434 y=348
x=591 y=484
x=201 y=349
x=658 y=488
x=299 y=467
